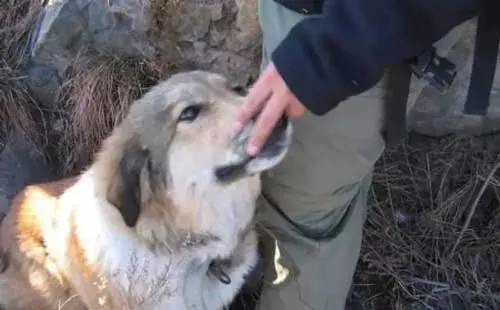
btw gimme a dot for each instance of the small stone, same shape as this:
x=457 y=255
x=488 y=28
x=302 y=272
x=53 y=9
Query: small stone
x=21 y=163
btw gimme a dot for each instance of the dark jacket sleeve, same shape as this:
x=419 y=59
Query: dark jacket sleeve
x=327 y=58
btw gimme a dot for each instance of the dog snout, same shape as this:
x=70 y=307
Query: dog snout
x=278 y=131
x=277 y=135
x=239 y=89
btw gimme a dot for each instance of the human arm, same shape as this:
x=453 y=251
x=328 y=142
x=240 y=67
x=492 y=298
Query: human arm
x=325 y=59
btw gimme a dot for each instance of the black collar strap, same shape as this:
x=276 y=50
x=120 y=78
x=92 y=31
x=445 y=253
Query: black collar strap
x=216 y=269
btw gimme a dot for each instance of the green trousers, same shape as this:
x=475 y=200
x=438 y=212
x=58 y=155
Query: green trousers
x=313 y=207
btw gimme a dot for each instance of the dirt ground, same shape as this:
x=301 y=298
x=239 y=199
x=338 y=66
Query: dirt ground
x=432 y=234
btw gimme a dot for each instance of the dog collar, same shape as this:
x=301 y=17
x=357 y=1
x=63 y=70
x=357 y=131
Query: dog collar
x=216 y=269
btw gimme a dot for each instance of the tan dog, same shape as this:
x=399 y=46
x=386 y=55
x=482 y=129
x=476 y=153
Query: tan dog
x=148 y=225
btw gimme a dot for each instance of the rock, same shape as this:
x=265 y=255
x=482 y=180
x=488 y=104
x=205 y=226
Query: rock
x=219 y=35
x=437 y=114
x=231 y=32
x=21 y=164
x=4 y=203
x=70 y=27
x=216 y=10
x=192 y=21
x=247 y=20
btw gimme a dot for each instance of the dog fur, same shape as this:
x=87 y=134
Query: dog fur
x=140 y=228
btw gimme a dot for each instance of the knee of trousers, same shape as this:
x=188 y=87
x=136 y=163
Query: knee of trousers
x=307 y=221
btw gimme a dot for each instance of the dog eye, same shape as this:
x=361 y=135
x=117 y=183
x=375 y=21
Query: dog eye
x=240 y=90
x=190 y=113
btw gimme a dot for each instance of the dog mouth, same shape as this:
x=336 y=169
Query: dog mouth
x=270 y=155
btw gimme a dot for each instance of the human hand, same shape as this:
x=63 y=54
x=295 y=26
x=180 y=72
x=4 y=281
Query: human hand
x=271 y=95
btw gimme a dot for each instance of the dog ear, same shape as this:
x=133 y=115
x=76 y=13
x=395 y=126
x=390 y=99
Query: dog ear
x=125 y=188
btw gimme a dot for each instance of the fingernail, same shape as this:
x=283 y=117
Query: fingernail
x=252 y=150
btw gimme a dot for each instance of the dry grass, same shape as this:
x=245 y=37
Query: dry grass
x=433 y=231
x=17 y=104
x=95 y=97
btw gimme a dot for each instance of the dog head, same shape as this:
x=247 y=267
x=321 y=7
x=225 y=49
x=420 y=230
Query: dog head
x=164 y=161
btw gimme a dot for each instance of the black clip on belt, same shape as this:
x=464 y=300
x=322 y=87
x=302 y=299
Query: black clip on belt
x=437 y=70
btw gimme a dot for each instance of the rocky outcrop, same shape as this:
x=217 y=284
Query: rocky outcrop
x=220 y=35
